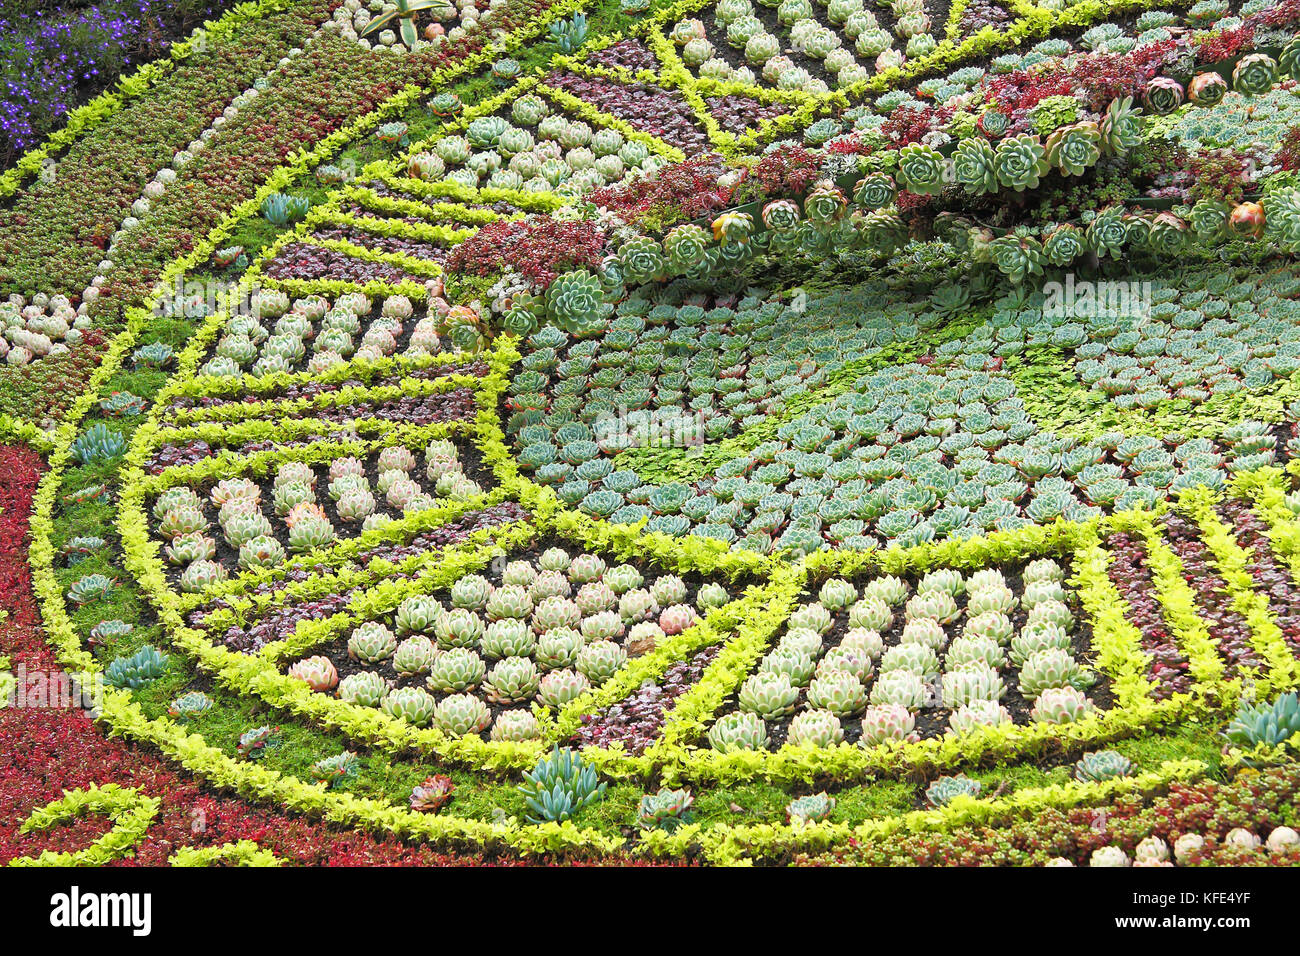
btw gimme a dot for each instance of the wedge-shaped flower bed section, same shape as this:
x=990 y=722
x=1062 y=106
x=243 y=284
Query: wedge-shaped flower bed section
x=544 y=623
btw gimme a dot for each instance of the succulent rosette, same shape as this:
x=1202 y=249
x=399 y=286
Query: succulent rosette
x=1207 y=89
x=781 y=215
x=1064 y=244
x=921 y=169
x=1018 y=257
x=881 y=232
x=1073 y=149
x=1020 y=161
x=1108 y=232
x=974 y=165
x=1168 y=234
x=824 y=204
x=993 y=123
x=642 y=258
x=1163 y=95
x=1119 y=126
x=686 y=246
x=1209 y=218
x=875 y=191
x=1255 y=74
x=1288 y=60
x=733 y=227
x=575 y=303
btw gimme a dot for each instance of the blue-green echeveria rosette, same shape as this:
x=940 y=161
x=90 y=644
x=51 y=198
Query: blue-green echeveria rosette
x=875 y=191
x=575 y=303
x=1107 y=233
x=1073 y=149
x=1020 y=161
x=974 y=166
x=781 y=215
x=921 y=169
x=642 y=258
x=1064 y=244
x=1119 y=126
x=686 y=246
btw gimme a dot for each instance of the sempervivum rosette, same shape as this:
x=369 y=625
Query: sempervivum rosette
x=642 y=258
x=1168 y=234
x=1108 y=232
x=1207 y=89
x=921 y=169
x=880 y=231
x=1283 y=216
x=824 y=204
x=993 y=123
x=780 y=215
x=1017 y=256
x=575 y=303
x=1119 y=127
x=1064 y=244
x=974 y=165
x=686 y=246
x=1254 y=74
x=1019 y=162
x=733 y=227
x=1163 y=95
x=1288 y=60
x=1074 y=148
x=875 y=191
x=1209 y=217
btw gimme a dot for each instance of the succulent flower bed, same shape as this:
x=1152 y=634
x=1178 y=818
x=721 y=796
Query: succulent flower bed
x=696 y=430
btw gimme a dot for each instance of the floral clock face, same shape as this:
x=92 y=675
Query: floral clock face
x=453 y=450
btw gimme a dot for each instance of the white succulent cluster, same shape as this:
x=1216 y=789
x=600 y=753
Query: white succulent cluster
x=536 y=150
x=457 y=18
x=42 y=326
x=1154 y=851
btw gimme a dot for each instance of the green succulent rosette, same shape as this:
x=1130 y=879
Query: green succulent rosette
x=642 y=258
x=824 y=205
x=1163 y=95
x=881 y=231
x=1107 y=233
x=1207 y=89
x=1282 y=216
x=921 y=169
x=732 y=253
x=875 y=191
x=1073 y=149
x=575 y=303
x=814 y=241
x=686 y=246
x=974 y=165
x=1020 y=161
x=1255 y=74
x=1209 y=218
x=733 y=226
x=611 y=277
x=1017 y=257
x=1167 y=235
x=1064 y=244
x=1139 y=229
x=1120 y=130
x=781 y=215
x=1288 y=60
x=485 y=132
x=994 y=123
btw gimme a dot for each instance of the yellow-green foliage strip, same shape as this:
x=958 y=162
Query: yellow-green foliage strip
x=1233 y=563
x=727 y=845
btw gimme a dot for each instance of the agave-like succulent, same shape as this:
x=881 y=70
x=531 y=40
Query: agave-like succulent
x=455 y=670
x=371 y=642
x=819 y=728
x=887 y=722
x=1061 y=705
x=412 y=704
x=364 y=688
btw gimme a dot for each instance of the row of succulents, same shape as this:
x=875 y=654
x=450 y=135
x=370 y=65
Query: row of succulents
x=400 y=487
x=1156 y=851
x=373 y=26
x=862 y=664
x=1271 y=575
x=797 y=45
x=542 y=628
x=533 y=147
x=313 y=334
